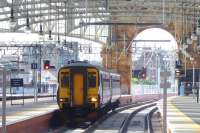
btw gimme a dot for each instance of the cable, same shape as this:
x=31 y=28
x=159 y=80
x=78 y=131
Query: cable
x=58 y=24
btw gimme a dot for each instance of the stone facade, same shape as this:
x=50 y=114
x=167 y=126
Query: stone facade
x=116 y=58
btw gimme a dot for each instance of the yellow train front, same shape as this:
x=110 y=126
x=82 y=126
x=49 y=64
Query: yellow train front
x=85 y=88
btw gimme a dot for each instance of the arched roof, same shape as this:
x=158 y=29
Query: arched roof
x=81 y=13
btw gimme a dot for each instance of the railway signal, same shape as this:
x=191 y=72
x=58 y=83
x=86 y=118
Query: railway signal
x=46 y=64
x=142 y=74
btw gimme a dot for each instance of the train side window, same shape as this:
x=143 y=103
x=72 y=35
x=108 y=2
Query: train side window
x=65 y=80
x=91 y=80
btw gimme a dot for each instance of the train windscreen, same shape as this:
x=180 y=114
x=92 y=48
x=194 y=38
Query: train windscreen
x=65 y=80
x=91 y=79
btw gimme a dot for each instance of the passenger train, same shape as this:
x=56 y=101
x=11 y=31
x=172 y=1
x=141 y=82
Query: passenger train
x=85 y=88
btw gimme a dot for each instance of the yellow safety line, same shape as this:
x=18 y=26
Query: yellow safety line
x=189 y=125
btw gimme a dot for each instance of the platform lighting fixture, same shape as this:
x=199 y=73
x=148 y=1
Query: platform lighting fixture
x=64 y=43
x=90 y=50
x=58 y=23
x=193 y=35
x=41 y=30
x=50 y=35
x=27 y=29
x=188 y=39
x=50 y=31
x=198 y=27
x=58 y=39
x=12 y=18
x=40 y=27
x=80 y=48
x=65 y=21
x=71 y=45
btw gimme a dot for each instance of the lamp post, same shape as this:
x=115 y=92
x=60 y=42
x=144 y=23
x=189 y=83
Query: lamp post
x=193 y=77
x=165 y=85
x=165 y=97
x=198 y=93
x=3 y=71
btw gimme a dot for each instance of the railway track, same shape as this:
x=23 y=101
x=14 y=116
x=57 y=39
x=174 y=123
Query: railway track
x=122 y=121
x=130 y=118
x=139 y=120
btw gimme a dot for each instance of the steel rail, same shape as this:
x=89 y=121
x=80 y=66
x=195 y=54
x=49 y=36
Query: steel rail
x=93 y=127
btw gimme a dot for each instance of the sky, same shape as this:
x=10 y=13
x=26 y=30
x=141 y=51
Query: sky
x=156 y=34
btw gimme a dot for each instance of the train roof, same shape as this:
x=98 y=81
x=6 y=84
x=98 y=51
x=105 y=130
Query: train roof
x=79 y=64
x=86 y=64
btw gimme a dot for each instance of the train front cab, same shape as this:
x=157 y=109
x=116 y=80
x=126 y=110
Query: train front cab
x=78 y=90
x=63 y=93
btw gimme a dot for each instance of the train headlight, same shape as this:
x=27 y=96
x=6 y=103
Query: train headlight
x=93 y=99
x=61 y=100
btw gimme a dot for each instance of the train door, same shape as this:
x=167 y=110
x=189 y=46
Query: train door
x=78 y=87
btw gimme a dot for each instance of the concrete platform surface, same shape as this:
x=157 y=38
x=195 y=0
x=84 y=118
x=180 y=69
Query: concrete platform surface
x=29 y=110
x=183 y=115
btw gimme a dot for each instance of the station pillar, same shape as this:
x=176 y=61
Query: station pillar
x=117 y=54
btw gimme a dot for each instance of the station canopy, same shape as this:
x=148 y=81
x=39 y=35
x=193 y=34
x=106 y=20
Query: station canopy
x=90 y=18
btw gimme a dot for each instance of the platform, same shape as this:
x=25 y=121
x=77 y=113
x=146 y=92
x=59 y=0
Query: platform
x=29 y=110
x=183 y=115
x=35 y=117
